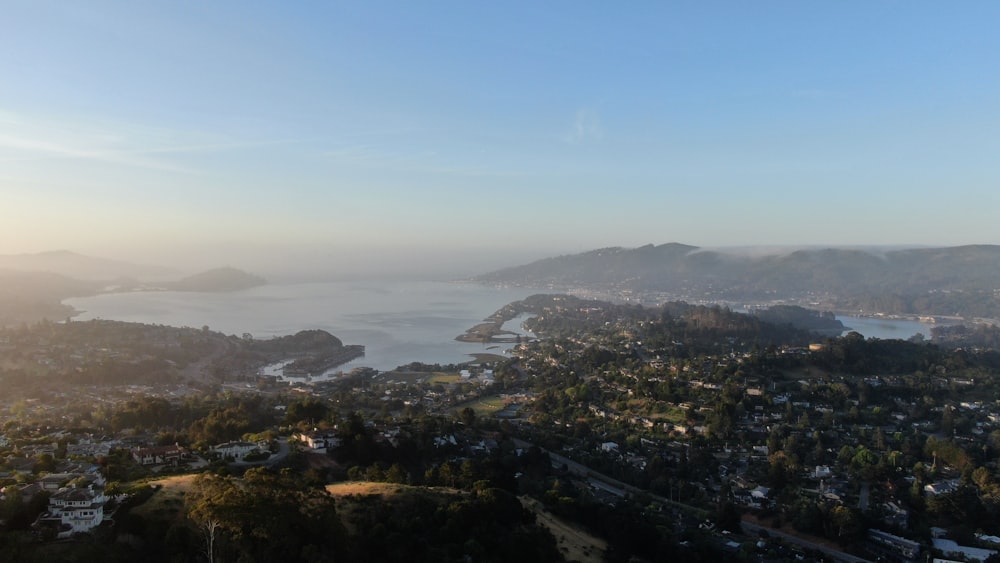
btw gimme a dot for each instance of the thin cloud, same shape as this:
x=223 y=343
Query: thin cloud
x=586 y=128
x=426 y=161
x=211 y=147
x=47 y=149
x=125 y=145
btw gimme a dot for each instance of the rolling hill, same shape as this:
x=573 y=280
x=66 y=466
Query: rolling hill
x=941 y=281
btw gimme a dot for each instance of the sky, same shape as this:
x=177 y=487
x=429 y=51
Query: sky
x=385 y=134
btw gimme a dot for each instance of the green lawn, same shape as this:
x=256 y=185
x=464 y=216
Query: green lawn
x=673 y=416
x=484 y=406
x=444 y=378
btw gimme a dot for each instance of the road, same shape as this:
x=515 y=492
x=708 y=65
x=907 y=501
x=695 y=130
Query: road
x=754 y=529
x=613 y=485
x=283 y=449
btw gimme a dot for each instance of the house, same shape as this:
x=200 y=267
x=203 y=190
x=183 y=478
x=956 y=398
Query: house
x=760 y=493
x=317 y=441
x=941 y=487
x=89 y=449
x=74 y=510
x=892 y=547
x=235 y=450
x=158 y=455
x=951 y=548
x=55 y=481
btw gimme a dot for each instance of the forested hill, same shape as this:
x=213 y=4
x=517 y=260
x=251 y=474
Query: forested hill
x=219 y=279
x=941 y=281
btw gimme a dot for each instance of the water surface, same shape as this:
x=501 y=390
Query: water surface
x=397 y=322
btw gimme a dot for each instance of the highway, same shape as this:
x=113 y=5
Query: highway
x=618 y=488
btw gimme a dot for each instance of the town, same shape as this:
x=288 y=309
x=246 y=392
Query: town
x=679 y=430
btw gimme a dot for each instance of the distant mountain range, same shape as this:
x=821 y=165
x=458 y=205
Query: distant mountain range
x=940 y=281
x=81 y=267
x=63 y=271
x=33 y=286
x=218 y=279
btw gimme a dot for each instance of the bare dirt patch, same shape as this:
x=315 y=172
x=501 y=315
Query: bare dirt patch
x=573 y=543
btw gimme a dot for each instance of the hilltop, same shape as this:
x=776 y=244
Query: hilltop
x=933 y=281
x=82 y=267
x=218 y=279
x=33 y=286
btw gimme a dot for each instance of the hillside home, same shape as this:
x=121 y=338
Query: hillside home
x=235 y=450
x=158 y=455
x=317 y=441
x=74 y=510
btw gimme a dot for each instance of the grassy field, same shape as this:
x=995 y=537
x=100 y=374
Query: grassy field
x=410 y=377
x=484 y=406
x=444 y=378
x=167 y=503
x=364 y=488
x=486 y=358
x=354 y=496
x=673 y=416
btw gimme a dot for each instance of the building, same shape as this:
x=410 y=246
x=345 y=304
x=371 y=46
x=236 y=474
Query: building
x=951 y=549
x=892 y=548
x=158 y=455
x=74 y=510
x=235 y=450
x=317 y=441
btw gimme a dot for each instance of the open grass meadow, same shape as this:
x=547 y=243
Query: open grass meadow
x=444 y=378
x=167 y=503
x=484 y=406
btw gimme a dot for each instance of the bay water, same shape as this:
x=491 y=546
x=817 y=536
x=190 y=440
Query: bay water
x=398 y=322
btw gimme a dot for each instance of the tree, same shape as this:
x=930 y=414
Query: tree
x=396 y=474
x=728 y=517
x=845 y=521
x=982 y=477
x=207 y=506
x=45 y=464
x=268 y=516
x=468 y=417
x=309 y=410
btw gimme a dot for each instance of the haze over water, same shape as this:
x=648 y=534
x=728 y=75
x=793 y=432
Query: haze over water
x=397 y=322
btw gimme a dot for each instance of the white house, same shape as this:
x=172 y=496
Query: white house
x=317 y=441
x=158 y=455
x=235 y=450
x=74 y=510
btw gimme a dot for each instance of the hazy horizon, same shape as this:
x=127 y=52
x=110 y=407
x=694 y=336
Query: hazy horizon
x=323 y=263
x=452 y=139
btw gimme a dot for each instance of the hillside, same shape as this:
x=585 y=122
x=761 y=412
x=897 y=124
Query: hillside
x=938 y=281
x=218 y=279
x=79 y=266
x=27 y=297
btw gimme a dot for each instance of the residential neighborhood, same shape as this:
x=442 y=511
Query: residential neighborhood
x=863 y=448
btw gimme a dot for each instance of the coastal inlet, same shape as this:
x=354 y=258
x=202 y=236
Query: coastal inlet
x=309 y=353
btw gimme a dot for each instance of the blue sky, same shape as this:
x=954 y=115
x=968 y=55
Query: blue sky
x=509 y=129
